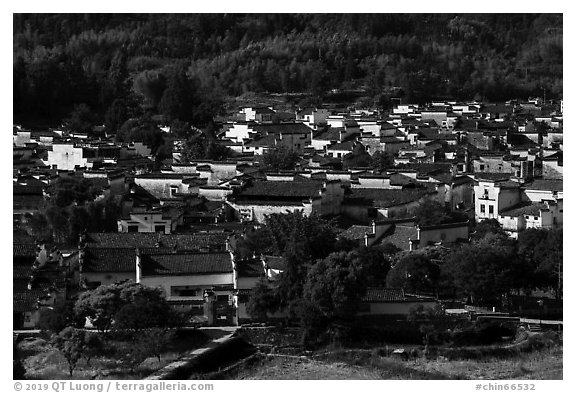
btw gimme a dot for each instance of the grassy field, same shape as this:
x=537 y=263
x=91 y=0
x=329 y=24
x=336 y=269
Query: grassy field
x=542 y=363
x=546 y=364
x=42 y=361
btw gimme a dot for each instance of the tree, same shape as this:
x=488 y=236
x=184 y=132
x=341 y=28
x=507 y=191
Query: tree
x=202 y=146
x=486 y=227
x=414 y=273
x=382 y=161
x=333 y=290
x=542 y=252
x=431 y=212
x=334 y=285
x=373 y=263
x=143 y=310
x=178 y=97
x=56 y=319
x=81 y=119
x=127 y=305
x=154 y=341
x=118 y=113
x=358 y=158
x=486 y=270
x=151 y=85
x=261 y=302
x=315 y=237
x=70 y=189
x=71 y=343
x=279 y=159
x=93 y=346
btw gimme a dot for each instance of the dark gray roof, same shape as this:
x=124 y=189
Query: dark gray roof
x=374 y=295
x=186 y=264
x=118 y=260
x=545 y=185
x=192 y=241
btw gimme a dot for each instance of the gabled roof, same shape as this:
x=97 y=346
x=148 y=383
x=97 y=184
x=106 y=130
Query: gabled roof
x=196 y=241
x=331 y=134
x=545 y=185
x=374 y=295
x=275 y=262
x=252 y=267
x=186 y=264
x=303 y=189
x=356 y=232
x=345 y=146
x=384 y=198
x=264 y=141
x=24 y=250
x=117 y=260
x=532 y=209
x=284 y=128
x=400 y=235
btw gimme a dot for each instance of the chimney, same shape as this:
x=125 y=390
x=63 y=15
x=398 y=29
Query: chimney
x=234 y=270
x=138 y=266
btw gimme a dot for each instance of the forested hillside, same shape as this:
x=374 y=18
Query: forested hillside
x=182 y=66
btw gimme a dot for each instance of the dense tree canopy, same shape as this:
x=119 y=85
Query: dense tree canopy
x=62 y=60
x=125 y=305
x=487 y=269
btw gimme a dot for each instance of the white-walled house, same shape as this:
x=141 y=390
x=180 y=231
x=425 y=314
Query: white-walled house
x=162 y=185
x=540 y=215
x=261 y=198
x=493 y=196
x=312 y=117
x=153 y=220
x=392 y=301
x=67 y=156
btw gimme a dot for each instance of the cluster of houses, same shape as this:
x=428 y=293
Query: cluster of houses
x=178 y=226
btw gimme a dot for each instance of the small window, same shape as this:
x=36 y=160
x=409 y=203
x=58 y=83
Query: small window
x=482 y=208
x=481 y=167
x=222 y=298
x=159 y=228
x=132 y=228
x=490 y=209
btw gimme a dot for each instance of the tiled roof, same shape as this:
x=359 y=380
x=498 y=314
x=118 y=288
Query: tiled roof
x=332 y=134
x=284 y=128
x=302 y=189
x=250 y=267
x=374 y=295
x=194 y=241
x=530 y=210
x=398 y=179
x=356 y=232
x=24 y=250
x=384 y=198
x=391 y=139
x=345 y=146
x=27 y=201
x=400 y=236
x=119 y=260
x=497 y=176
x=274 y=262
x=545 y=185
x=23 y=301
x=186 y=264
x=265 y=141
